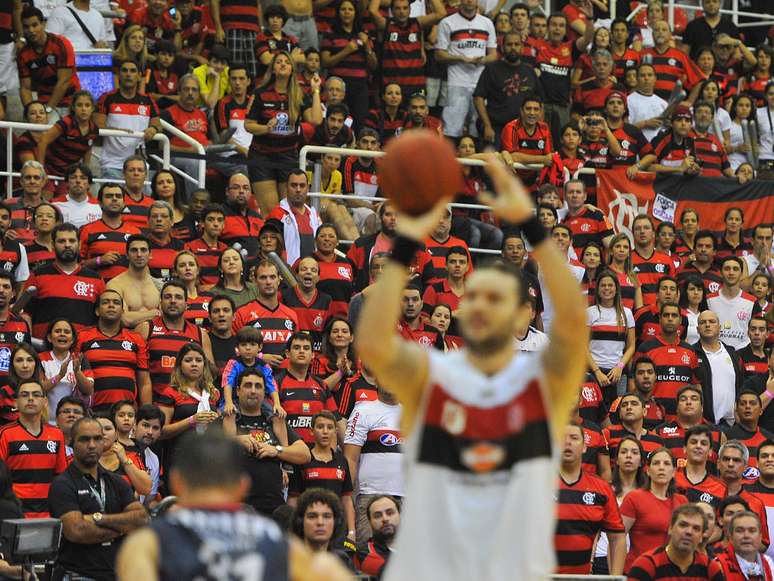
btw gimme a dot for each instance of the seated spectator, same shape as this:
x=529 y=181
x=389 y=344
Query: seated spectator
x=388 y=120
x=132 y=47
x=273 y=39
x=118 y=460
x=40 y=250
x=383 y=514
x=527 y=139
x=360 y=179
x=213 y=77
x=161 y=80
x=157 y=23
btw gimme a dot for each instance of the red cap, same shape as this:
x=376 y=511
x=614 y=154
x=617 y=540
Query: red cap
x=613 y=94
x=682 y=112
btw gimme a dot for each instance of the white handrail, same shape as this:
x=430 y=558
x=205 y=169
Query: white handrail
x=202 y=163
x=23 y=126
x=734 y=11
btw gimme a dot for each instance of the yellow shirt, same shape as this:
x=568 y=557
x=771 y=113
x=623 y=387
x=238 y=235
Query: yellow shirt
x=205 y=85
x=334 y=184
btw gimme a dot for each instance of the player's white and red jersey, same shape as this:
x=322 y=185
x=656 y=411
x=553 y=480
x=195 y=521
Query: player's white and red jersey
x=480 y=470
x=734 y=316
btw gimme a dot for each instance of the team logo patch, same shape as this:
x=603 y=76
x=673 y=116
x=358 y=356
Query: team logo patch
x=344 y=272
x=587 y=393
x=318 y=321
x=83 y=289
x=288 y=324
x=751 y=473
x=126 y=345
x=19 y=337
x=589 y=498
x=389 y=440
x=453 y=418
x=686 y=359
x=52 y=446
x=706 y=497
x=483 y=457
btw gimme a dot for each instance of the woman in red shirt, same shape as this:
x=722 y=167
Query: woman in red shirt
x=646 y=512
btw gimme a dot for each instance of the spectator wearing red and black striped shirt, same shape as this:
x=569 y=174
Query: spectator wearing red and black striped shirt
x=527 y=139
x=671 y=64
x=753 y=358
x=117 y=358
x=388 y=120
x=632 y=415
x=209 y=247
x=33 y=450
x=103 y=243
x=596 y=457
x=674 y=150
x=163 y=247
x=312 y=307
x=383 y=514
x=451 y=288
x=46 y=63
x=135 y=172
x=649 y=265
x=694 y=479
x=40 y=249
x=273 y=40
x=337 y=274
x=644 y=382
x=586 y=505
x=13 y=328
x=65 y=286
x=33 y=184
x=361 y=386
x=13 y=255
x=710 y=152
x=679 y=558
x=634 y=145
x=747 y=429
x=439 y=245
x=586 y=225
x=704 y=265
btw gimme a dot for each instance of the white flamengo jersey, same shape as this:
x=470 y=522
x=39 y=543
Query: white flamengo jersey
x=480 y=478
x=734 y=316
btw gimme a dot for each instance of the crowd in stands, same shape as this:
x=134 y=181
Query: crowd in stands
x=160 y=307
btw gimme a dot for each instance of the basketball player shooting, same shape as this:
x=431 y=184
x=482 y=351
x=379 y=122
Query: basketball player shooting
x=480 y=423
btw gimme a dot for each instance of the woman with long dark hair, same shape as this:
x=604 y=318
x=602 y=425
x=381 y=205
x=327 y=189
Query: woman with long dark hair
x=186 y=268
x=693 y=298
x=278 y=108
x=388 y=119
x=710 y=91
x=754 y=83
x=233 y=279
x=336 y=361
x=733 y=242
x=63 y=371
x=619 y=261
x=166 y=186
x=24 y=365
x=116 y=459
x=742 y=109
x=647 y=511
x=348 y=52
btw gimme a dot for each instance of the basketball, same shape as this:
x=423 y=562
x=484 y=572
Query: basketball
x=418 y=169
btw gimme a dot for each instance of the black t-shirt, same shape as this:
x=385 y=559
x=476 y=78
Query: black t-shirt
x=73 y=491
x=698 y=33
x=504 y=87
x=266 y=475
x=223 y=350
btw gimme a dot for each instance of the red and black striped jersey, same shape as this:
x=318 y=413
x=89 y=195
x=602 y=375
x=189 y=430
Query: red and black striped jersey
x=724 y=248
x=628 y=59
x=615 y=432
x=352 y=390
x=592 y=404
x=709 y=489
x=207 y=257
x=676 y=366
x=114 y=362
x=727 y=76
x=732 y=571
x=710 y=277
x=276 y=325
x=285 y=137
x=266 y=42
x=670 y=150
x=242 y=228
x=672 y=434
x=98 y=239
x=656 y=564
x=38 y=255
x=136 y=212
x=184 y=406
x=163 y=346
x=634 y=145
x=198 y=309
x=596 y=446
x=41 y=67
x=402 y=61
x=21 y=220
x=360 y=178
x=584 y=509
x=590 y=96
x=753 y=364
x=302 y=399
x=239 y=15
x=438 y=253
x=352 y=66
x=337 y=280
x=516 y=138
x=647 y=324
x=34 y=461
x=158 y=86
x=750 y=439
x=330 y=475
x=649 y=271
x=162 y=257
x=75 y=294
x=312 y=315
x=8 y=411
x=671 y=66
x=371 y=558
x=588 y=226
x=13 y=330
x=379 y=120
x=710 y=154
x=438 y=293
x=755 y=86
x=628 y=290
x=654 y=413
x=426 y=335
x=70 y=147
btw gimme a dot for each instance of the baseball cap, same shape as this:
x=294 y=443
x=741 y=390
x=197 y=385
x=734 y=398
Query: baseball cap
x=271 y=225
x=616 y=95
x=682 y=112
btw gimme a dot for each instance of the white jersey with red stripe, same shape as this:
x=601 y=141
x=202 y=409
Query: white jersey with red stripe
x=480 y=477
x=734 y=316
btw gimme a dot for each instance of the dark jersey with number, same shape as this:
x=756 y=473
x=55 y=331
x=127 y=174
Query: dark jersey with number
x=224 y=544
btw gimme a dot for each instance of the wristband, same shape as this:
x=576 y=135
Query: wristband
x=192 y=420
x=620 y=365
x=768 y=394
x=403 y=250
x=99 y=260
x=533 y=231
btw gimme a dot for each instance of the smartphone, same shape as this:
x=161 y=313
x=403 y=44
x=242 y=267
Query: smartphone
x=172 y=11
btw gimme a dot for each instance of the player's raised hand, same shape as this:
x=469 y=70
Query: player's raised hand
x=419 y=227
x=512 y=202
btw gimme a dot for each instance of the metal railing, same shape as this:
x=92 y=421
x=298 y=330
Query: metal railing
x=9 y=126
x=198 y=147
x=733 y=11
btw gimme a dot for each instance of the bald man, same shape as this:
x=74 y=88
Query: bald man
x=312 y=307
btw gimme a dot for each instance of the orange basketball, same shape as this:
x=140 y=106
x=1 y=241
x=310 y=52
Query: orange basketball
x=418 y=169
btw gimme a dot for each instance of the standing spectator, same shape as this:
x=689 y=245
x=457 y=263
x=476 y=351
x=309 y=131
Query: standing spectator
x=742 y=559
x=311 y=306
x=360 y=179
x=372 y=445
x=742 y=109
x=388 y=120
x=13 y=254
x=163 y=247
x=62 y=368
x=761 y=258
x=96 y=507
x=10 y=34
x=160 y=80
x=680 y=556
x=347 y=52
x=103 y=242
x=69 y=410
x=40 y=249
x=222 y=336
x=704 y=265
x=418 y=115
x=273 y=39
x=81 y=22
x=763 y=487
x=157 y=22
x=403 y=48
x=631 y=413
x=733 y=307
x=116 y=356
x=132 y=47
x=733 y=241
x=337 y=273
x=278 y=108
x=208 y=248
x=231 y=112
x=766 y=130
x=555 y=59
x=212 y=77
x=33 y=182
x=150 y=422
x=33 y=450
x=77 y=207
x=64 y=286
x=185 y=267
x=646 y=511
x=299 y=220
x=645 y=107
x=586 y=225
x=466 y=43
x=753 y=357
x=694 y=479
x=135 y=172
x=501 y=89
x=592 y=93
x=268 y=441
x=674 y=149
x=46 y=64
x=649 y=264
x=233 y=278
x=702 y=31
x=624 y=58
x=747 y=428
x=710 y=153
x=125 y=108
x=718 y=371
x=670 y=64
x=237 y=22
x=14 y=329
x=138 y=289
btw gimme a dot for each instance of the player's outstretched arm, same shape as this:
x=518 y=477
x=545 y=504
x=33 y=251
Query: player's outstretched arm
x=400 y=366
x=565 y=357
